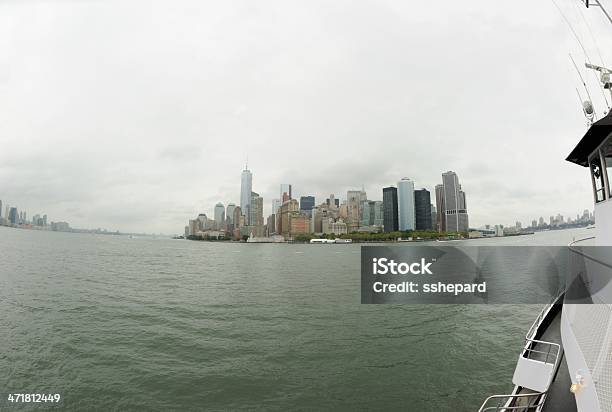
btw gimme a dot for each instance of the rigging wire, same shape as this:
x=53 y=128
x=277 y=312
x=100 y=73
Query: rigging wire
x=572 y=30
x=603 y=93
x=586 y=54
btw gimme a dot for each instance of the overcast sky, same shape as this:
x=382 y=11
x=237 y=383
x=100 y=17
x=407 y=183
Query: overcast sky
x=137 y=115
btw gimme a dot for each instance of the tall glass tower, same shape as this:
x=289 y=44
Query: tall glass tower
x=390 y=209
x=219 y=214
x=455 y=211
x=246 y=187
x=405 y=202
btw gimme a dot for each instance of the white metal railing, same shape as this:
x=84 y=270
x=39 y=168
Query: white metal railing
x=538 y=320
x=504 y=402
x=551 y=351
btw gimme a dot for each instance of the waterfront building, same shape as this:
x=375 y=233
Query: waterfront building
x=286 y=210
x=422 y=210
x=331 y=226
x=300 y=225
x=390 y=214
x=307 y=203
x=405 y=202
x=246 y=187
x=230 y=212
x=219 y=214
x=291 y=221
x=455 y=205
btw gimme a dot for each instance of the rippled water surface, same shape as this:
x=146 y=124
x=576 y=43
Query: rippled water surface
x=115 y=323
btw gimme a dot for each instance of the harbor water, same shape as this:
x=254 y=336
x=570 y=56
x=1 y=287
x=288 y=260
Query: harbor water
x=119 y=323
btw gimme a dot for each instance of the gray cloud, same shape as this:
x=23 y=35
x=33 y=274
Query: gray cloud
x=143 y=125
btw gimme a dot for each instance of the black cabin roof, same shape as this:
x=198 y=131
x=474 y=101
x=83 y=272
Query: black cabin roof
x=595 y=136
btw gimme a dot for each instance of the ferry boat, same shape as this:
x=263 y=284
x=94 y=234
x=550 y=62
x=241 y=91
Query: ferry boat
x=330 y=241
x=565 y=363
x=321 y=241
x=270 y=239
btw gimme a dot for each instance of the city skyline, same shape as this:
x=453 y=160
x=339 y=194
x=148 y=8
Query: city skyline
x=134 y=140
x=403 y=208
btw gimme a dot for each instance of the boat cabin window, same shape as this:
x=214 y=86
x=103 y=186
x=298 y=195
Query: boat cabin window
x=606 y=154
x=598 y=178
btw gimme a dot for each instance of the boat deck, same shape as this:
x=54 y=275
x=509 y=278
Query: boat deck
x=559 y=397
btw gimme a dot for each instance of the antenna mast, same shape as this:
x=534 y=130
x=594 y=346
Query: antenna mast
x=597 y=3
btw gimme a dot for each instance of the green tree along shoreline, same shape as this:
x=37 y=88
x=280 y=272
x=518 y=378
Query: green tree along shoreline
x=360 y=237
x=416 y=235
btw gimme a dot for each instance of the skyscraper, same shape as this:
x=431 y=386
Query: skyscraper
x=390 y=217
x=354 y=203
x=230 y=212
x=455 y=206
x=276 y=204
x=285 y=188
x=246 y=187
x=236 y=217
x=379 y=213
x=440 y=207
x=372 y=214
x=422 y=209
x=307 y=203
x=13 y=216
x=220 y=215
x=256 y=210
x=405 y=200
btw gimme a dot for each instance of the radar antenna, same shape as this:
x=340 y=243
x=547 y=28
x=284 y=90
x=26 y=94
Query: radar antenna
x=604 y=75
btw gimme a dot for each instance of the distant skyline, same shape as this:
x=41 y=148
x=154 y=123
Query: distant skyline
x=144 y=126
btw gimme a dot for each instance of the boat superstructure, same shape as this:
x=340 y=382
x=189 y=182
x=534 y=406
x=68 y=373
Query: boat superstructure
x=566 y=361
